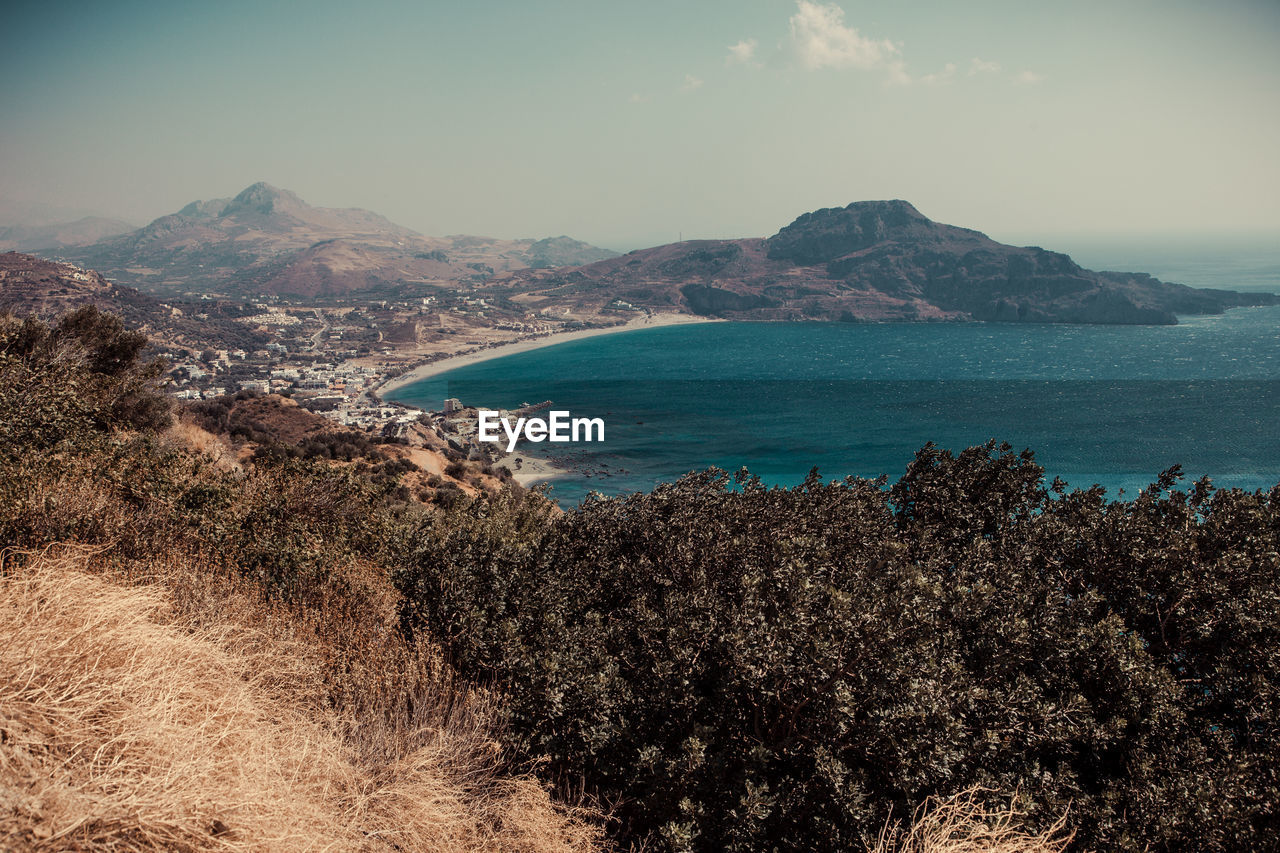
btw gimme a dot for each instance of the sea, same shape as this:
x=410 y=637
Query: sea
x=1106 y=405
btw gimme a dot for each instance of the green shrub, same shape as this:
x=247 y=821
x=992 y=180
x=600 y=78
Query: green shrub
x=744 y=668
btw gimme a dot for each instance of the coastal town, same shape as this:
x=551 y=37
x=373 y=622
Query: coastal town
x=336 y=361
x=269 y=372
x=339 y=360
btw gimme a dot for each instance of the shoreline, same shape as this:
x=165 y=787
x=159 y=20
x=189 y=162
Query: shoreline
x=453 y=362
x=533 y=469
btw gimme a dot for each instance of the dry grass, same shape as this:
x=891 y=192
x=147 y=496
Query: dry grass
x=129 y=722
x=183 y=433
x=965 y=823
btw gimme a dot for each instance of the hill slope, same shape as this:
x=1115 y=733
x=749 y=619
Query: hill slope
x=31 y=285
x=873 y=260
x=203 y=731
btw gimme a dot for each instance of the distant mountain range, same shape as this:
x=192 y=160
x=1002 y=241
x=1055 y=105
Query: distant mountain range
x=269 y=241
x=82 y=232
x=869 y=261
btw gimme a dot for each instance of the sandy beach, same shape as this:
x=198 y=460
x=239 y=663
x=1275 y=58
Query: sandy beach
x=453 y=362
x=532 y=470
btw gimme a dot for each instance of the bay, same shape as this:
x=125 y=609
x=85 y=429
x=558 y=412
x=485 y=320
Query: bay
x=1112 y=405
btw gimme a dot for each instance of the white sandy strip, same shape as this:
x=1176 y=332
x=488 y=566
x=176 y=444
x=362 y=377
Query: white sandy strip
x=444 y=365
x=532 y=470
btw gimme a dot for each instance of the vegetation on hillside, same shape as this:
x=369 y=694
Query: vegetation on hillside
x=216 y=663
x=727 y=666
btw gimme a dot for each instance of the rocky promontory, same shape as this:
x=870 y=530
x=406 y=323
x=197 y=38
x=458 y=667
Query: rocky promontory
x=870 y=261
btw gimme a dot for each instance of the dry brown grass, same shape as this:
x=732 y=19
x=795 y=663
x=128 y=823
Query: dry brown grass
x=133 y=721
x=183 y=433
x=966 y=823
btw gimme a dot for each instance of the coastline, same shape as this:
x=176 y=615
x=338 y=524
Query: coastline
x=533 y=469
x=435 y=368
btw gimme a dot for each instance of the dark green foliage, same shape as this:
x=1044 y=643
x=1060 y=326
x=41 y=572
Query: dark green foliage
x=744 y=668
x=213 y=415
x=345 y=445
x=449 y=495
x=84 y=374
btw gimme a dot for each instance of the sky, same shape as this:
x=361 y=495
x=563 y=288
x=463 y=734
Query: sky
x=634 y=124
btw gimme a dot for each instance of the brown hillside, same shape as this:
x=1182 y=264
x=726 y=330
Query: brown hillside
x=267 y=240
x=34 y=286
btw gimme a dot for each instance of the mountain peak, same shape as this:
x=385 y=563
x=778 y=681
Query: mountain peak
x=266 y=199
x=833 y=232
x=890 y=207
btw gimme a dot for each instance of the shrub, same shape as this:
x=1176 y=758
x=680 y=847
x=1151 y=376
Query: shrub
x=746 y=668
x=82 y=374
x=966 y=824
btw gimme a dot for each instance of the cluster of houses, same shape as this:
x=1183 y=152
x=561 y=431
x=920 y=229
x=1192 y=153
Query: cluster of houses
x=224 y=373
x=336 y=391
x=272 y=317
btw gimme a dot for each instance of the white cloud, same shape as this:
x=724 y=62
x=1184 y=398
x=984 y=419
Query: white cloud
x=742 y=53
x=638 y=98
x=821 y=40
x=690 y=83
x=1030 y=78
x=897 y=70
x=946 y=75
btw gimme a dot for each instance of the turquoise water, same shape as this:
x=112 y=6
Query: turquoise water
x=1107 y=405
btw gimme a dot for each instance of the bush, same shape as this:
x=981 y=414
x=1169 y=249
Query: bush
x=745 y=668
x=449 y=496
x=82 y=374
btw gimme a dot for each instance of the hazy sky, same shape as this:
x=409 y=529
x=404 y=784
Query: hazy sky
x=626 y=124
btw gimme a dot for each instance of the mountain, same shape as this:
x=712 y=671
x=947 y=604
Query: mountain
x=90 y=229
x=34 y=286
x=869 y=261
x=565 y=252
x=267 y=240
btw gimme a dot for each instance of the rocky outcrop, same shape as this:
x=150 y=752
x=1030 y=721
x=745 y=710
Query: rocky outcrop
x=714 y=302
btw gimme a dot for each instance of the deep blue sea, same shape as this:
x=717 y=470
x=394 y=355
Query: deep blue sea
x=1113 y=405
